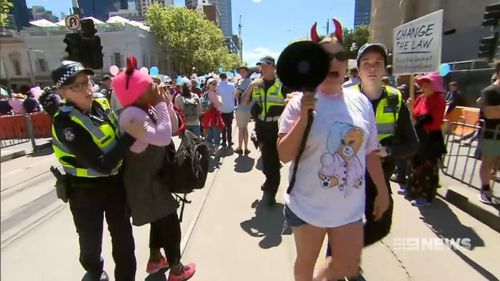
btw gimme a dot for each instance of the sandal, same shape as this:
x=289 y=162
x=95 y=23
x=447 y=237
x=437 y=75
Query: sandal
x=239 y=151
x=247 y=151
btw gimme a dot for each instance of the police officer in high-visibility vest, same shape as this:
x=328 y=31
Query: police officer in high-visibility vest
x=267 y=92
x=85 y=141
x=397 y=137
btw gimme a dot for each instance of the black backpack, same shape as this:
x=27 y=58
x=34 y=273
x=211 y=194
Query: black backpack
x=185 y=168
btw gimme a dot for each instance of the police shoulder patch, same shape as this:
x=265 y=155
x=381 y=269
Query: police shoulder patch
x=68 y=134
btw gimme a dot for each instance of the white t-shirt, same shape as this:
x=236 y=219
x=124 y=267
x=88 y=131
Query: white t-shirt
x=329 y=188
x=226 y=92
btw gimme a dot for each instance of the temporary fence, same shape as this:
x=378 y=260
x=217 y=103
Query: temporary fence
x=464 y=133
x=16 y=129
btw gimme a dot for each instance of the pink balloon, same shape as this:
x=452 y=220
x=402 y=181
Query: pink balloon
x=114 y=70
x=144 y=70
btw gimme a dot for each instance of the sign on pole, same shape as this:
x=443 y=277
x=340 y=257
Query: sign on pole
x=417 y=45
x=72 y=22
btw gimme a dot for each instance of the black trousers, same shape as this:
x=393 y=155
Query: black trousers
x=267 y=134
x=89 y=203
x=166 y=233
x=228 y=128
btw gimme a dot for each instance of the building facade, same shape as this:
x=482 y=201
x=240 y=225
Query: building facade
x=143 y=5
x=461 y=19
x=42 y=49
x=226 y=15
x=20 y=15
x=362 y=12
x=100 y=9
x=39 y=12
x=224 y=9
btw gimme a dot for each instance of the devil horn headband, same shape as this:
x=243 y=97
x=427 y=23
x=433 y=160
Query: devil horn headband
x=338 y=31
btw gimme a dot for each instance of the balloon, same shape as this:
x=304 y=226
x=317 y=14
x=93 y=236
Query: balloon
x=154 y=71
x=144 y=70
x=178 y=80
x=444 y=69
x=221 y=69
x=114 y=70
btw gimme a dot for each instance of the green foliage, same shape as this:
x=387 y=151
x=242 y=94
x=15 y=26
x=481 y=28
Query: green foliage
x=191 y=39
x=5 y=6
x=359 y=36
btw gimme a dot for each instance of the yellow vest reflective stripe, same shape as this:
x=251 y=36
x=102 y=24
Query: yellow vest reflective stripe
x=272 y=98
x=104 y=136
x=387 y=112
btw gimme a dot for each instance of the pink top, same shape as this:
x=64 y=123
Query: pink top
x=159 y=134
x=17 y=105
x=215 y=99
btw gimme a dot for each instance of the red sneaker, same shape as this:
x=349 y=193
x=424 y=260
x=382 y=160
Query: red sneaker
x=154 y=267
x=187 y=272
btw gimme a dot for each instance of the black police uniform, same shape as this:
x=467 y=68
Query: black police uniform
x=91 y=199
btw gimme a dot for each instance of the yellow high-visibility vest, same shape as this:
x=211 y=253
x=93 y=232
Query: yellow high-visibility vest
x=104 y=136
x=272 y=98
x=387 y=112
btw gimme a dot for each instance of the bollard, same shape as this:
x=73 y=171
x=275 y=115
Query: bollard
x=31 y=132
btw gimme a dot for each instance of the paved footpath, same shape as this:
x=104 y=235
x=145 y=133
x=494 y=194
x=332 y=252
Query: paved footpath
x=232 y=237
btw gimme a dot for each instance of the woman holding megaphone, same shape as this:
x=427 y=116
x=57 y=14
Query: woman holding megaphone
x=331 y=138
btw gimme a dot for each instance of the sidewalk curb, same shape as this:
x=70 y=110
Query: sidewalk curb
x=475 y=209
x=12 y=155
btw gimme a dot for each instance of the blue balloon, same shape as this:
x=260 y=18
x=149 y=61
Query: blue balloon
x=179 y=79
x=154 y=71
x=221 y=69
x=444 y=69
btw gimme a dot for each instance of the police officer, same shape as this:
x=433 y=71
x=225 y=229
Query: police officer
x=268 y=95
x=397 y=137
x=86 y=143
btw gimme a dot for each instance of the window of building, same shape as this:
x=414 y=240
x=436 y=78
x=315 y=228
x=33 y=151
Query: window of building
x=42 y=65
x=118 y=59
x=15 y=60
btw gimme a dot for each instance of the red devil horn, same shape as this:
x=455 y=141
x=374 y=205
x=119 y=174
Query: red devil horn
x=131 y=64
x=314 y=33
x=338 y=30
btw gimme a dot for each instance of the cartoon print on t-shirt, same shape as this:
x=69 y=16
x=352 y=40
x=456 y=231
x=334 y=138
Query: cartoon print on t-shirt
x=340 y=165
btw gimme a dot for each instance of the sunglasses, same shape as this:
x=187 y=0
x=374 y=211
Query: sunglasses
x=80 y=87
x=340 y=56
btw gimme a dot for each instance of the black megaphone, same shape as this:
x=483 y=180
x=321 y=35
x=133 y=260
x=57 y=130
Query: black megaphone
x=302 y=66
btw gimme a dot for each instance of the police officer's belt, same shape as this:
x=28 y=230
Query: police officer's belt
x=269 y=119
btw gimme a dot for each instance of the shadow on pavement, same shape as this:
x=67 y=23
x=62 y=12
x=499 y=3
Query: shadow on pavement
x=267 y=223
x=215 y=159
x=42 y=151
x=159 y=276
x=447 y=225
x=243 y=164
x=259 y=164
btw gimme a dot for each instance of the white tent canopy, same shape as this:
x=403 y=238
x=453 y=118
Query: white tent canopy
x=43 y=23
x=117 y=19
x=96 y=21
x=61 y=23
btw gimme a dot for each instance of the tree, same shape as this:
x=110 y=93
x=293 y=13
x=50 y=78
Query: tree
x=191 y=39
x=5 y=6
x=359 y=36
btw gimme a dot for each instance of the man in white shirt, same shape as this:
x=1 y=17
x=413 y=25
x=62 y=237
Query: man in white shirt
x=353 y=78
x=226 y=91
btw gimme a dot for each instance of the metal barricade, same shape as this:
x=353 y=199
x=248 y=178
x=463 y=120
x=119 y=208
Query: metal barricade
x=13 y=130
x=17 y=129
x=462 y=161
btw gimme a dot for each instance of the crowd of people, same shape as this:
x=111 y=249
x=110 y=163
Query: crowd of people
x=112 y=142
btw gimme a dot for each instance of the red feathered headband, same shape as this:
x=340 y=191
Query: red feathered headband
x=338 y=31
